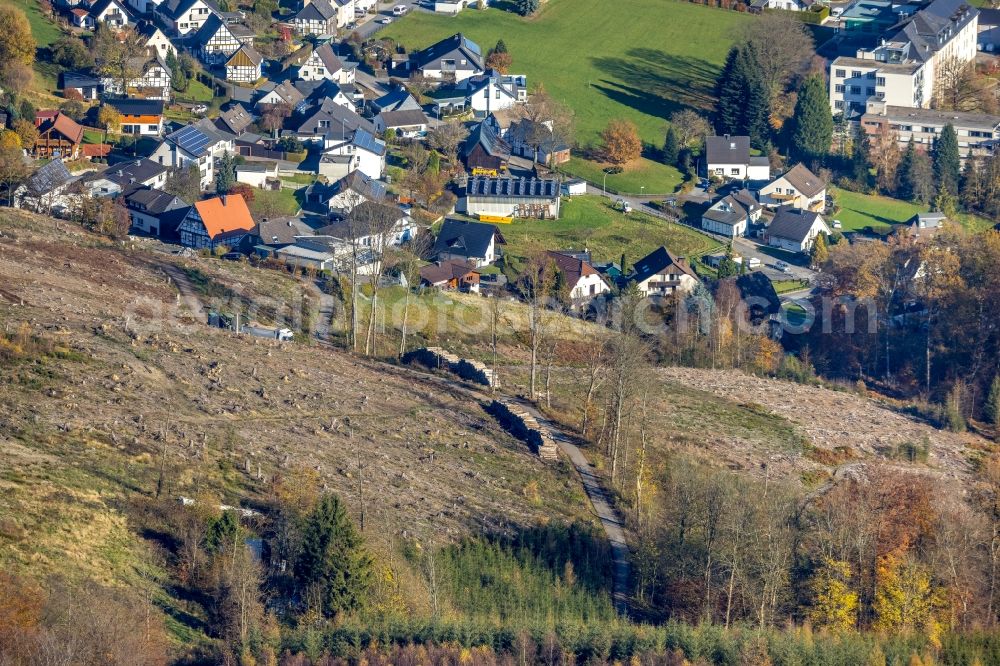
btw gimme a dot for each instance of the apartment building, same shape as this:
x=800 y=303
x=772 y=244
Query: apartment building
x=978 y=133
x=902 y=70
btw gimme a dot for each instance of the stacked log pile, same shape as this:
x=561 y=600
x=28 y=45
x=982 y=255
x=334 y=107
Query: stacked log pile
x=523 y=425
x=438 y=358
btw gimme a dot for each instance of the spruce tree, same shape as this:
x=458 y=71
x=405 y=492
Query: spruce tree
x=860 y=161
x=992 y=407
x=757 y=109
x=905 y=189
x=921 y=178
x=970 y=187
x=812 y=129
x=671 y=149
x=333 y=560
x=729 y=92
x=947 y=164
x=501 y=47
x=225 y=176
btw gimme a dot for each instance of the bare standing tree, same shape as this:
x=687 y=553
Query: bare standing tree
x=446 y=138
x=782 y=47
x=548 y=121
x=121 y=55
x=536 y=284
x=373 y=226
x=407 y=260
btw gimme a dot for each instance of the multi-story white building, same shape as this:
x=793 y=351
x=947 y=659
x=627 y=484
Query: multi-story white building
x=978 y=133
x=904 y=69
x=201 y=143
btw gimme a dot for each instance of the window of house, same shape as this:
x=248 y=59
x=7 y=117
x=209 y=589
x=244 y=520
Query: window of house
x=870 y=75
x=841 y=73
x=838 y=104
x=855 y=90
x=869 y=91
x=839 y=88
x=734 y=171
x=880 y=81
x=855 y=73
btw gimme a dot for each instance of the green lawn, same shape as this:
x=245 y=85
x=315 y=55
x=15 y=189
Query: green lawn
x=858 y=211
x=785 y=286
x=42 y=29
x=635 y=59
x=196 y=92
x=591 y=222
x=645 y=176
x=274 y=202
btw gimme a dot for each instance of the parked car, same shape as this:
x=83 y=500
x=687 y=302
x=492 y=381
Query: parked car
x=385 y=20
x=399 y=10
x=783 y=267
x=200 y=109
x=837 y=224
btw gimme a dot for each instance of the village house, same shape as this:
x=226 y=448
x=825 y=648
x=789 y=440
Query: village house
x=244 y=66
x=155 y=212
x=331 y=124
x=732 y=215
x=154 y=40
x=323 y=63
x=397 y=99
x=451 y=275
x=660 y=273
x=323 y=17
x=124 y=177
x=59 y=136
x=340 y=198
x=272 y=234
x=142 y=117
x=219 y=221
x=583 y=282
x=216 y=41
x=152 y=83
x=728 y=158
x=111 y=13
x=362 y=151
x=483 y=94
x=200 y=143
x=511 y=197
x=257 y=174
x=454 y=58
x=45 y=191
x=324 y=91
x=283 y=93
x=794 y=229
x=408 y=124
x=484 y=153
x=88 y=86
x=185 y=17
x=797 y=187
x=235 y=120
x=81 y=18
x=537 y=142
x=475 y=243
x=142 y=7
x=352 y=234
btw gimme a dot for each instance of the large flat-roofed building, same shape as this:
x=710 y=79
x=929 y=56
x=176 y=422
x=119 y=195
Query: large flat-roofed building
x=903 y=69
x=511 y=197
x=978 y=133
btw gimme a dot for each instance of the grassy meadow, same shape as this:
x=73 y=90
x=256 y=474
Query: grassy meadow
x=591 y=222
x=643 y=60
x=858 y=211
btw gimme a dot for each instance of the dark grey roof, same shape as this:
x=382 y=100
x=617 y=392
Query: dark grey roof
x=329 y=58
x=49 y=177
x=803 y=180
x=132 y=172
x=403 y=118
x=153 y=201
x=483 y=135
x=539 y=188
x=281 y=230
x=235 y=119
x=727 y=149
x=658 y=261
x=343 y=121
x=371 y=189
x=466 y=239
x=137 y=107
x=79 y=80
x=727 y=210
x=397 y=99
x=287 y=92
x=317 y=10
x=174 y=8
x=456 y=46
x=792 y=223
x=208 y=29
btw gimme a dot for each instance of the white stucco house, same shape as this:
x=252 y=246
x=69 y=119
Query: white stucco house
x=728 y=158
x=794 y=229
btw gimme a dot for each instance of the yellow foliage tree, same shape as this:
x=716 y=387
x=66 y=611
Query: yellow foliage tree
x=9 y=139
x=835 y=604
x=906 y=600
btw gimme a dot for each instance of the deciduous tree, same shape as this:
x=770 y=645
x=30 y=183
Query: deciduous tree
x=16 y=41
x=620 y=142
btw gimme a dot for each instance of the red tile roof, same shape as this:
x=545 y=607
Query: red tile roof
x=226 y=213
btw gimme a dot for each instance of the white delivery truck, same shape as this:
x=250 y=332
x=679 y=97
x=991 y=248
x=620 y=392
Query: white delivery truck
x=269 y=332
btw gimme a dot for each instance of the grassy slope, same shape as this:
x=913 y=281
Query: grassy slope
x=858 y=211
x=591 y=222
x=45 y=32
x=635 y=59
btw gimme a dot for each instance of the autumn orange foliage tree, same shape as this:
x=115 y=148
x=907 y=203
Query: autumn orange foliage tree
x=621 y=142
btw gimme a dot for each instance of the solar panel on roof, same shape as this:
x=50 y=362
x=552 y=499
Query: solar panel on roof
x=191 y=139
